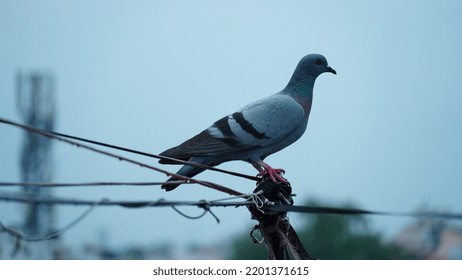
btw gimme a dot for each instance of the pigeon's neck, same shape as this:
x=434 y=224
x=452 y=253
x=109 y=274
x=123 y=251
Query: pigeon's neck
x=300 y=88
x=302 y=91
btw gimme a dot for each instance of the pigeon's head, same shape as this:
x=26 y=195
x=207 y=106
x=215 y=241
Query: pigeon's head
x=314 y=65
x=308 y=69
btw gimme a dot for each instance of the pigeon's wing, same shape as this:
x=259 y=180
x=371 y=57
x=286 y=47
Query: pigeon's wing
x=203 y=145
x=260 y=124
x=269 y=121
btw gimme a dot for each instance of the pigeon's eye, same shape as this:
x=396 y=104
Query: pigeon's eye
x=318 y=62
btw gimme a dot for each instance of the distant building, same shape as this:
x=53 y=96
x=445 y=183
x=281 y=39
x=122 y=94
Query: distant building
x=165 y=251
x=431 y=240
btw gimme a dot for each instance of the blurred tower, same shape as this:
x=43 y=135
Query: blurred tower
x=35 y=93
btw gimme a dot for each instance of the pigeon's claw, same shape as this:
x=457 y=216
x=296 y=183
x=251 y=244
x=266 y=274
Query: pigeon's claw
x=274 y=174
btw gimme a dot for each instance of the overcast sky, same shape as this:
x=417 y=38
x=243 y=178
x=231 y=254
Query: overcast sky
x=385 y=133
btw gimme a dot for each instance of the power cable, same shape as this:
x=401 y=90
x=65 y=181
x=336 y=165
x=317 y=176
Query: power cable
x=121 y=158
x=87 y=184
x=179 y=161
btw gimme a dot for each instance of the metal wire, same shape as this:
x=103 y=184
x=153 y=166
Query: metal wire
x=121 y=158
x=88 y=184
x=107 y=202
x=178 y=161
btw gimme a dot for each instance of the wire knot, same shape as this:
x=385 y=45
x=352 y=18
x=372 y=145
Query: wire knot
x=268 y=193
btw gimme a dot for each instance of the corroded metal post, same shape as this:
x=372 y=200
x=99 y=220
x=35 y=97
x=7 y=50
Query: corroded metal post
x=278 y=235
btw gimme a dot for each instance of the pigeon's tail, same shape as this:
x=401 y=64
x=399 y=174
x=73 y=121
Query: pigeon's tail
x=187 y=171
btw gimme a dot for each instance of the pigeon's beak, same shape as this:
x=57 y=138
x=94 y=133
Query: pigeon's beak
x=331 y=70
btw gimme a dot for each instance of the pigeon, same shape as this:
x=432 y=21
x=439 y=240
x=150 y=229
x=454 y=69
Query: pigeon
x=255 y=131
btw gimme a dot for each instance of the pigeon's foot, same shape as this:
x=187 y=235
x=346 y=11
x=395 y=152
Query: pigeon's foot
x=274 y=174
